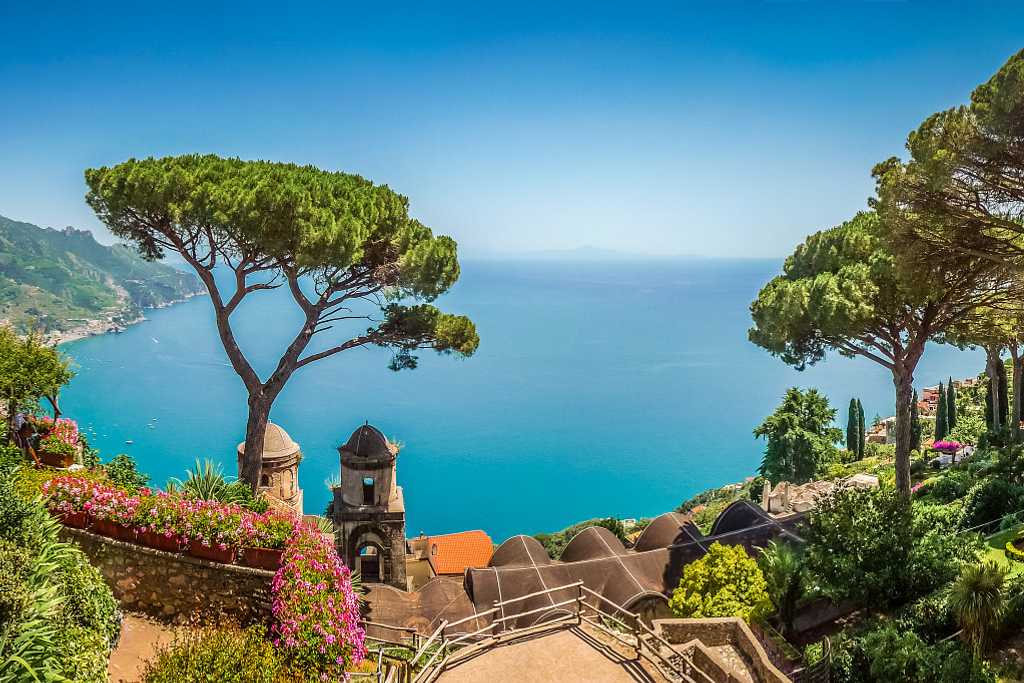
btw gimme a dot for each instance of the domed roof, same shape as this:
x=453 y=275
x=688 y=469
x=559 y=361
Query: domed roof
x=368 y=442
x=276 y=443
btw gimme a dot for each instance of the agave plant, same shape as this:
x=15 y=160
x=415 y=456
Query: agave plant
x=205 y=481
x=978 y=599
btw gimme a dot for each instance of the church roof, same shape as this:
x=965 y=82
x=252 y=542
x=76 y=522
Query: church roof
x=368 y=442
x=455 y=553
x=276 y=443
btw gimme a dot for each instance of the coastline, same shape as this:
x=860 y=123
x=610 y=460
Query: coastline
x=110 y=324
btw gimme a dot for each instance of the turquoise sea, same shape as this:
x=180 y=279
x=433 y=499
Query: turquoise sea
x=600 y=388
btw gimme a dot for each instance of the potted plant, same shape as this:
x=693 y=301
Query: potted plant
x=263 y=538
x=212 y=529
x=113 y=510
x=157 y=523
x=67 y=497
x=59 y=445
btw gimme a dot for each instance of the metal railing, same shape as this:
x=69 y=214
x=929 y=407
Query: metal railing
x=451 y=641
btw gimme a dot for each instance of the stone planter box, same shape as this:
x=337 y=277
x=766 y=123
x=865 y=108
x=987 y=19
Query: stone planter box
x=56 y=459
x=158 y=541
x=214 y=554
x=261 y=558
x=116 y=530
x=75 y=520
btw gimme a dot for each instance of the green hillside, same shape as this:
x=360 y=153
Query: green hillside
x=55 y=279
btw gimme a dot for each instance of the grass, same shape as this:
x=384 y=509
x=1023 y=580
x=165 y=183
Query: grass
x=995 y=550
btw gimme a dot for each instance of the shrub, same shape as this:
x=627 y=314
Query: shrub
x=950 y=486
x=316 y=611
x=988 y=501
x=224 y=655
x=977 y=598
x=122 y=471
x=872 y=547
x=726 y=582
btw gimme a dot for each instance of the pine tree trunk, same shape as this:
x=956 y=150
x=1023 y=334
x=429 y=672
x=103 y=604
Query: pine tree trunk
x=1018 y=381
x=255 y=431
x=903 y=378
x=994 y=383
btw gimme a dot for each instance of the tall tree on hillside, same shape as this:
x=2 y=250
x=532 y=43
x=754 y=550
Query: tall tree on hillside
x=962 y=189
x=996 y=403
x=853 y=430
x=951 y=404
x=941 y=419
x=30 y=371
x=842 y=290
x=345 y=249
x=862 y=438
x=800 y=435
x=915 y=426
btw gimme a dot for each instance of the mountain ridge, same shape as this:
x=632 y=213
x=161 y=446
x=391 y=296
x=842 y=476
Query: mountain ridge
x=58 y=281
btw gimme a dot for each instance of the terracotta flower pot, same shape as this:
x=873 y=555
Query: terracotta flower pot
x=56 y=459
x=75 y=520
x=158 y=541
x=206 y=552
x=116 y=530
x=261 y=558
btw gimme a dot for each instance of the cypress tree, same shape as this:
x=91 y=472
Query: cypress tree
x=915 y=426
x=852 y=429
x=862 y=433
x=951 y=405
x=941 y=423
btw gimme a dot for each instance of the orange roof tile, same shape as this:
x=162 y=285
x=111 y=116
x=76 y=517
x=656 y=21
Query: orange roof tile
x=458 y=552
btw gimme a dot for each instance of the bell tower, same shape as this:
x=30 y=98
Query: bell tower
x=369 y=510
x=281 y=458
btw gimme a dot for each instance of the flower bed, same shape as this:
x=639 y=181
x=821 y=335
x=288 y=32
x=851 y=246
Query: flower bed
x=316 y=611
x=1014 y=549
x=212 y=530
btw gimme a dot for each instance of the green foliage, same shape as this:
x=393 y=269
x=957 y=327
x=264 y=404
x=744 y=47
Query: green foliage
x=786 y=576
x=29 y=372
x=952 y=485
x=62 y=617
x=50 y=277
x=206 y=481
x=801 y=439
x=915 y=426
x=122 y=471
x=941 y=421
x=862 y=436
x=951 y=414
x=224 y=655
x=726 y=582
x=989 y=500
x=969 y=428
x=978 y=599
x=871 y=547
x=555 y=543
x=853 y=430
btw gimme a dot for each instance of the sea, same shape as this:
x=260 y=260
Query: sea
x=600 y=388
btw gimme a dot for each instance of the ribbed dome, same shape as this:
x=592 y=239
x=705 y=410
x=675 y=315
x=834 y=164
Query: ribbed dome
x=276 y=443
x=368 y=442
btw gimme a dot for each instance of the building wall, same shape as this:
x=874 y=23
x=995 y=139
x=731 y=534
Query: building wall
x=172 y=587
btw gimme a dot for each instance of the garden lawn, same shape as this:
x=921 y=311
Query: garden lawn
x=995 y=550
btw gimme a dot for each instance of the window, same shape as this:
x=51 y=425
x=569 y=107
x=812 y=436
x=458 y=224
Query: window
x=264 y=480
x=367 y=490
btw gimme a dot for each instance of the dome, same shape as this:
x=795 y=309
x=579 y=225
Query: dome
x=276 y=443
x=368 y=442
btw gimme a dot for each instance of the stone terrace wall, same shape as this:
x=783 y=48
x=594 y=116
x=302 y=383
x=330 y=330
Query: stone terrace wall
x=717 y=631
x=173 y=587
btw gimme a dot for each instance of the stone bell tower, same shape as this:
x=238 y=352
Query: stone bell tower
x=369 y=510
x=281 y=458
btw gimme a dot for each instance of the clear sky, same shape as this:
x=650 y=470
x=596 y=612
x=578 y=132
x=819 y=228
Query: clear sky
x=704 y=128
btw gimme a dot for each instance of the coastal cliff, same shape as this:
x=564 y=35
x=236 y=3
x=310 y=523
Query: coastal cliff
x=66 y=285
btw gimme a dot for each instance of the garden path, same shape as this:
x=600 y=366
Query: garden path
x=139 y=637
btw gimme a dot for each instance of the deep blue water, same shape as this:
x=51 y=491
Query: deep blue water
x=599 y=389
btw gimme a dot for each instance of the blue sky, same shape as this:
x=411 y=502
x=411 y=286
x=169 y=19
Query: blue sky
x=705 y=128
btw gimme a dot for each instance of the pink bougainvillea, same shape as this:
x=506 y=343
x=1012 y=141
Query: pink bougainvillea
x=316 y=610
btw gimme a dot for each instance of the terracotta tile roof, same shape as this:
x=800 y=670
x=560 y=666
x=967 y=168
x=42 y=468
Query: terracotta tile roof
x=457 y=552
